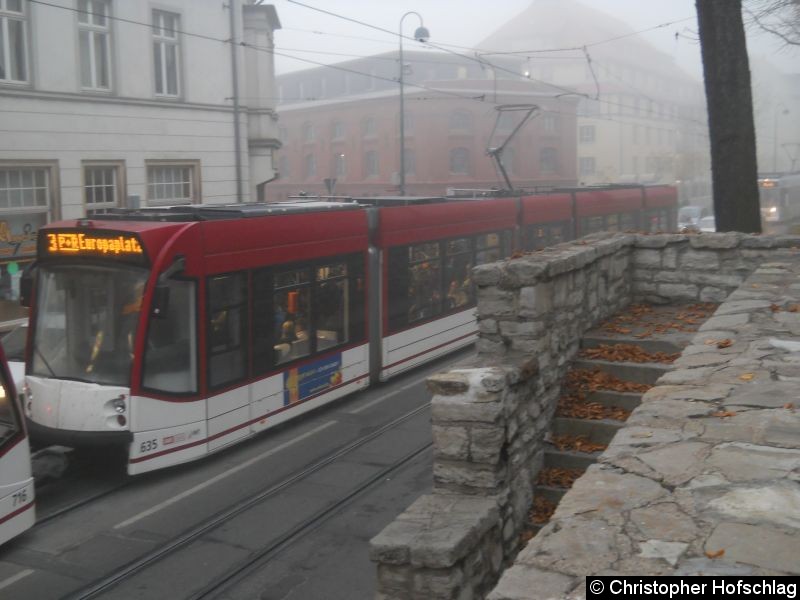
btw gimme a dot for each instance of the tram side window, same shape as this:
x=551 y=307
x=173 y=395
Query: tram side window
x=292 y=313
x=424 y=289
x=491 y=247
x=457 y=273
x=331 y=315
x=227 y=328
x=9 y=420
x=170 y=356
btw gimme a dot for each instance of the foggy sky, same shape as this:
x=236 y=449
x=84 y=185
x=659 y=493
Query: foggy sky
x=466 y=22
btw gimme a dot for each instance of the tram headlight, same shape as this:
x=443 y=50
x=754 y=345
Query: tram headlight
x=119 y=404
x=773 y=209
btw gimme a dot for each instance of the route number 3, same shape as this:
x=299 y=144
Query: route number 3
x=20 y=497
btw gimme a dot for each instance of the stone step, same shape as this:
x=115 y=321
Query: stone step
x=626 y=400
x=569 y=459
x=553 y=494
x=599 y=431
x=670 y=346
x=626 y=371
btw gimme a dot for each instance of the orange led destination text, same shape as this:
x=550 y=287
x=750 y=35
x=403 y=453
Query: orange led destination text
x=77 y=243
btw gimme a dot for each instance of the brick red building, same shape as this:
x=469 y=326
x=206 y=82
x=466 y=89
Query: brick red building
x=341 y=126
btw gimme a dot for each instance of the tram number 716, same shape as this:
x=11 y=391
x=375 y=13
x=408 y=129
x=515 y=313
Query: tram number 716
x=19 y=498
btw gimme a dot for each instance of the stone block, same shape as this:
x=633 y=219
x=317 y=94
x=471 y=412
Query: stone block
x=488 y=327
x=516 y=582
x=488 y=274
x=524 y=271
x=678 y=291
x=522 y=328
x=482 y=479
x=451 y=442
x=699 y=260
x=456 y=409
x=535 y=301
x=758 y=545
x=485 y=444
x=451 y=383
x=493 y=302
x=658 y=240
x=729 y=239
x=647 y=258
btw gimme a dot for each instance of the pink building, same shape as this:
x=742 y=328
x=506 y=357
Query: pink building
x=343 y=128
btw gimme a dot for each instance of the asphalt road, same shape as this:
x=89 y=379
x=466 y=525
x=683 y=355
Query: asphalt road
x=327 y=563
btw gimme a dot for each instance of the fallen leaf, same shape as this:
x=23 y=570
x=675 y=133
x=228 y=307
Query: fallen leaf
x=718 y=554
x=724 y=413
x=643 y=434
x=726 y=343
x=774 y=308
x=755 y=285
x=747 y=376
x=793 y=308
x=789 y=406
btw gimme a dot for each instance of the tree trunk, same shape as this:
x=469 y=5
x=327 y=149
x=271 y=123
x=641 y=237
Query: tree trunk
x=734 y=171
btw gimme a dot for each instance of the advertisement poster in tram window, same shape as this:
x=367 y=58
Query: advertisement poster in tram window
x=311 y=379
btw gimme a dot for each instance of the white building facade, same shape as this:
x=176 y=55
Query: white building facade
x=112 y=103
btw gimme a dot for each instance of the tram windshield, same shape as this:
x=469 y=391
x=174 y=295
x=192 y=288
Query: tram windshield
x=86 y=322
x=9 y=418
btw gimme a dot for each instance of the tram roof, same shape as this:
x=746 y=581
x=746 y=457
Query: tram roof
x=213 y=212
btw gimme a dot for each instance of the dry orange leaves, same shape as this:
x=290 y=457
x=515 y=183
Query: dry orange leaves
x=747 y=376
x=643 y=316
x=724 y=413
x=579 y=443
x=591 y=380
x=541 y=511
x=559 y=478
x=717 y=554
x=627 y=353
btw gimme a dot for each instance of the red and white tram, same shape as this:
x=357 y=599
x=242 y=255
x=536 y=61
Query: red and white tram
x=180 y=331
x=17 y=511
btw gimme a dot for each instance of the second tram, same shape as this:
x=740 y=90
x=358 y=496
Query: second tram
x=17 y=511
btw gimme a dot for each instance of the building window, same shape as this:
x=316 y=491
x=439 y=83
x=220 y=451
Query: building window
x=310 y=163
x=166 y=53
x=408 y=123
x=548 y=160
x=586 y=165
x=283 y=166
x=13 y=42
x=341 y=165
x=172 y=184
x=338 y=130
x=550 y=123
x=308 y=132
x=410 y=162
x=586 y=133
x=101 y=187
x=27 y=202
x=459 y=160
x=371 y=163
x=94 y=36
x=368 y=127
x=460 y=120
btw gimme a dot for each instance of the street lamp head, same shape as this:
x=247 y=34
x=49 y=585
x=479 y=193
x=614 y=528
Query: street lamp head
x=422 y=34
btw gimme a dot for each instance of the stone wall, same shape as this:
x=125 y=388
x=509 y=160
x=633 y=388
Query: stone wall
x=489 y=421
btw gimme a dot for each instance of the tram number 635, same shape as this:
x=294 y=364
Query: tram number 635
x=148 y=446
x=20 y=497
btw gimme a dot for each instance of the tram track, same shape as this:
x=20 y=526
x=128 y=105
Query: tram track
x=239 y=571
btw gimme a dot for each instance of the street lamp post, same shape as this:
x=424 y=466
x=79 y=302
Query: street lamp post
x=421 y=35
